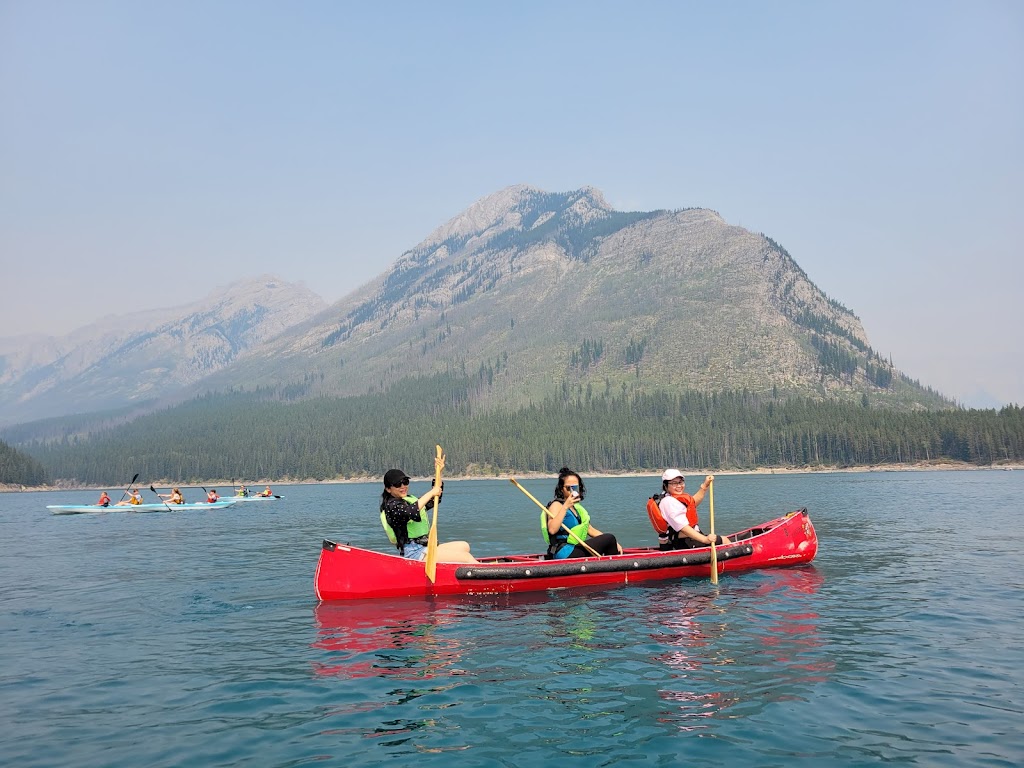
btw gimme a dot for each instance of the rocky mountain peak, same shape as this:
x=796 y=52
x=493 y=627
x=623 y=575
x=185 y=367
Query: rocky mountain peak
x=566 y=291
x=517 y=207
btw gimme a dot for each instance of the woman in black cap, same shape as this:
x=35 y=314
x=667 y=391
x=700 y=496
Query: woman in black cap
x=406 y=523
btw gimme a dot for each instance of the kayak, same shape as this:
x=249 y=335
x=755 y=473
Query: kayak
x=80 y=509
x=345 y=572
x=275 y=497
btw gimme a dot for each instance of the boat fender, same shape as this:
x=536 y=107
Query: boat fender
x=573 y=566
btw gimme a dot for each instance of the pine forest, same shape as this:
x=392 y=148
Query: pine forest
x=258 y=436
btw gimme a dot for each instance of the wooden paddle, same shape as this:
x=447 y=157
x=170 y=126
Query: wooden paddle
x=714 y=554
x=582 y=543
x=432 y=536
x=128 y=488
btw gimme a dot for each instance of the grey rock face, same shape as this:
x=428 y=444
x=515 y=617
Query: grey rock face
x=123 y=360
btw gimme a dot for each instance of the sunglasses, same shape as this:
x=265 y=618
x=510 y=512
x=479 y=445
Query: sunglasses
x=403 y=481
x=676 y=480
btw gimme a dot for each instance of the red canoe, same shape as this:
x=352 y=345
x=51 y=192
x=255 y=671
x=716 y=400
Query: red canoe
x=350 y=573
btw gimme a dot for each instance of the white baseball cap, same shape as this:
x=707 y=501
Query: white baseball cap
x=671 y=474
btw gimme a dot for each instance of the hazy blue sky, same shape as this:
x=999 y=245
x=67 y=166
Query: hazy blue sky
x=150 y=152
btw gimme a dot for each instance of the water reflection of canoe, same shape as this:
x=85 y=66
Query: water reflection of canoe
x=79 y=509
x=348 y=573
x=400 y=637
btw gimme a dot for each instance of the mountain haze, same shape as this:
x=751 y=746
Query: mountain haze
x=539 y=293
x=131 y=360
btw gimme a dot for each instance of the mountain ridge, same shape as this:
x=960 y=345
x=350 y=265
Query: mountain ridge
x=535 y=293
x=148 y=355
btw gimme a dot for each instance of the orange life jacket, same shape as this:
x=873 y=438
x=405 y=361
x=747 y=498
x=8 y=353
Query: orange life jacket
x=658 y=520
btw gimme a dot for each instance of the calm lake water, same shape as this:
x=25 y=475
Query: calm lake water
x=194 y=638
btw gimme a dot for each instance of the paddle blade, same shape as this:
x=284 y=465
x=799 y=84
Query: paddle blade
x=432 y=550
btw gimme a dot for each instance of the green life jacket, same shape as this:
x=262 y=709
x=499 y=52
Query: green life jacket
x=414 y=530
x=558 y=540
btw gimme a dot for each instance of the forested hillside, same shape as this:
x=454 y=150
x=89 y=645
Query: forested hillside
x=18 y=469
x=245 y=436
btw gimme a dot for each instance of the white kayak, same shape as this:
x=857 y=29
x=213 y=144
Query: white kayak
x=81 y=509
x=254 y=497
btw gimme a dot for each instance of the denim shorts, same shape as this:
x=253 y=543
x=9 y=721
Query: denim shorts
x=414 y=551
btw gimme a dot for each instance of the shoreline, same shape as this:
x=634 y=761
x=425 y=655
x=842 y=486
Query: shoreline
x=919 y=467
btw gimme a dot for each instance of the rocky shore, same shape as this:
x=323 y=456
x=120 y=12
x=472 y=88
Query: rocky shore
x=917 y=467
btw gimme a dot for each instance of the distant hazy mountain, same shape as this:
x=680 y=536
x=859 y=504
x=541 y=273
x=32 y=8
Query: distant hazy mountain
x=536 y=293
x=132 y=359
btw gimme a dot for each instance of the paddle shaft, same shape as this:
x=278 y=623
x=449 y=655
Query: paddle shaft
x=552 y=516
x=711 y=514
x=129 y=487
x=161 y=498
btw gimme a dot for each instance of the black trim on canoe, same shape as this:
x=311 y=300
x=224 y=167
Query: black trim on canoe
x=579 y=566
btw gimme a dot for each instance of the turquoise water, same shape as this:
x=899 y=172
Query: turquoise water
x=193 y=638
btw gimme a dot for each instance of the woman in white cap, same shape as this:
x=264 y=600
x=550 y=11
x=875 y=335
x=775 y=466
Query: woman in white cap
x=680 y=512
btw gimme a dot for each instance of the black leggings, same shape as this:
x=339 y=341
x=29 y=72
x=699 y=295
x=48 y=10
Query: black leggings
x=684 y=543
x=605 y=544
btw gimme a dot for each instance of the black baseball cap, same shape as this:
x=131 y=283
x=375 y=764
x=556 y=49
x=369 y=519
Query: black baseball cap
x=394 y=478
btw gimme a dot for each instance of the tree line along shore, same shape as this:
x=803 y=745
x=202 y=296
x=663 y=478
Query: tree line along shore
x=257 y=435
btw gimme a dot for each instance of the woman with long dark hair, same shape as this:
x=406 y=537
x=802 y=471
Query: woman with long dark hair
x=567 y=510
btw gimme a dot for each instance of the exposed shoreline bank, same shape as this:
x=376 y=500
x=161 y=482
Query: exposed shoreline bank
x=919 y=467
